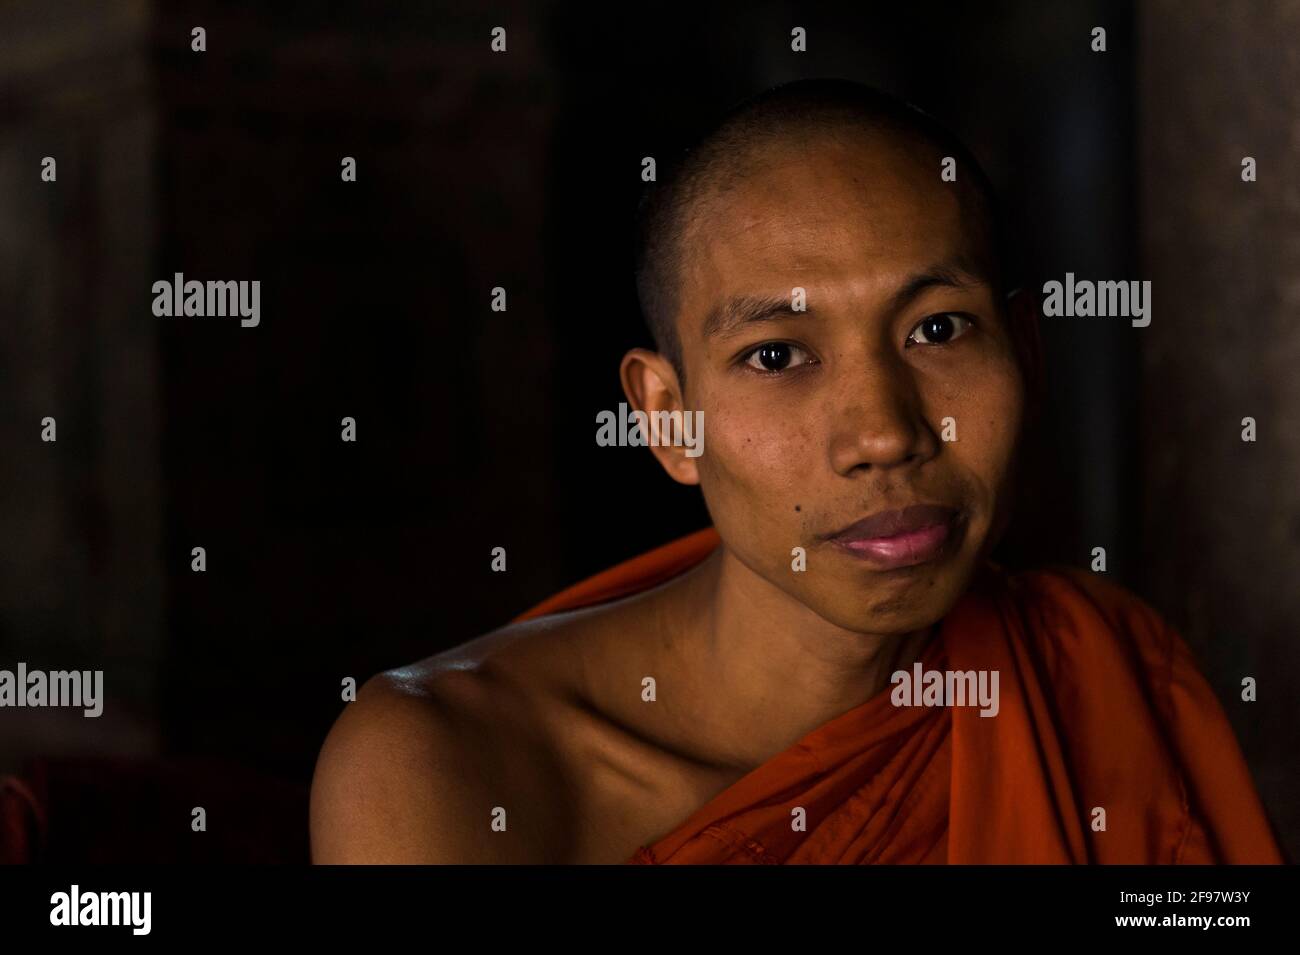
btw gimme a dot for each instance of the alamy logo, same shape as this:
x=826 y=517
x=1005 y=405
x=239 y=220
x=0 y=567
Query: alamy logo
x=1085 y=299
x=946 y=688
x=77 y=688
x=667 y=428
x=179 y=297
x=103 y=908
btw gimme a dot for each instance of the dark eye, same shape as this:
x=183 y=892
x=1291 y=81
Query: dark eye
x=776 y=356
x=939 y=329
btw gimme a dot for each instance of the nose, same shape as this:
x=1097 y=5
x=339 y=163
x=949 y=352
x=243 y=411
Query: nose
x=876 y=418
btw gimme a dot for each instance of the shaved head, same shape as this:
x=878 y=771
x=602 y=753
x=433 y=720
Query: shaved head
x=800 y=116
x=837 y=311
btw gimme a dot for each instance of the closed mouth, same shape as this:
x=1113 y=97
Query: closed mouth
x=899 y=538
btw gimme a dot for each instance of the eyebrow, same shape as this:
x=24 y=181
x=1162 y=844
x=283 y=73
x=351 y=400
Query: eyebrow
x=955 y=274
x=729 y=317
x=736 y=313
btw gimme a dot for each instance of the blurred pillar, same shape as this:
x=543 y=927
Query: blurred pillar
x=80 y=577
x=1218 y=83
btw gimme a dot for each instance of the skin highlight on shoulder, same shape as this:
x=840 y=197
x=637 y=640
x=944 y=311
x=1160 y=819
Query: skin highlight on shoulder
x=419 y=766
x=512 y=721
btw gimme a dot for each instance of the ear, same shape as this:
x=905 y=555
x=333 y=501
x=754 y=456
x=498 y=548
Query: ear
x=650 y=383
x=1022 y=311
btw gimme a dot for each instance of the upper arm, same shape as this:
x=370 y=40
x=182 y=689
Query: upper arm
x=403 y=777
x=388 y=786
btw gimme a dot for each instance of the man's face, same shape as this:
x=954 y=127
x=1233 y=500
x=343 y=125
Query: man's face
x=898 y=385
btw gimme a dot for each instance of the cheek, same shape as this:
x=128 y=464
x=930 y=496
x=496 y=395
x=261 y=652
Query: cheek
x=988 y=426
x=757 y=446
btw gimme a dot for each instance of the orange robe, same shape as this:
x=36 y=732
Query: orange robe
x=1100 y=706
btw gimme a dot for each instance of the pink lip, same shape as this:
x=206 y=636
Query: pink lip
x=911 y=536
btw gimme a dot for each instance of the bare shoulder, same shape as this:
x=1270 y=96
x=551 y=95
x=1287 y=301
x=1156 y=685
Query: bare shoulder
x=453 y=759
x=529 y=744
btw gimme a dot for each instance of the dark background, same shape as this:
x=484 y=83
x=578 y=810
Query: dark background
x=475 y=428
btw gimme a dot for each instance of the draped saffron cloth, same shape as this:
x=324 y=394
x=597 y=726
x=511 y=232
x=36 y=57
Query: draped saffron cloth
x=1108 y=745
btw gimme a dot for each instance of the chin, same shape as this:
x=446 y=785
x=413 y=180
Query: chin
x=897 y=601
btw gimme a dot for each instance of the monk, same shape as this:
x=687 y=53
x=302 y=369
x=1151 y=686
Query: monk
x=835 y=671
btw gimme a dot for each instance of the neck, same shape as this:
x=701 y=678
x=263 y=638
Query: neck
x=764 y=670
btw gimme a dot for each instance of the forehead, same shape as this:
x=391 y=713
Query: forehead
x=852 y=217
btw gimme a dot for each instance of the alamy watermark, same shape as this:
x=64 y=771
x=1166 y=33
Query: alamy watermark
x=76 y=688
x=1086 y=299
x=76 y=907
x=179 y=297
x=666 y=428
x=922 y=687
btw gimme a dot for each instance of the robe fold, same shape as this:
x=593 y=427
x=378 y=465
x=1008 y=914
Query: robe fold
x=1108 y=745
